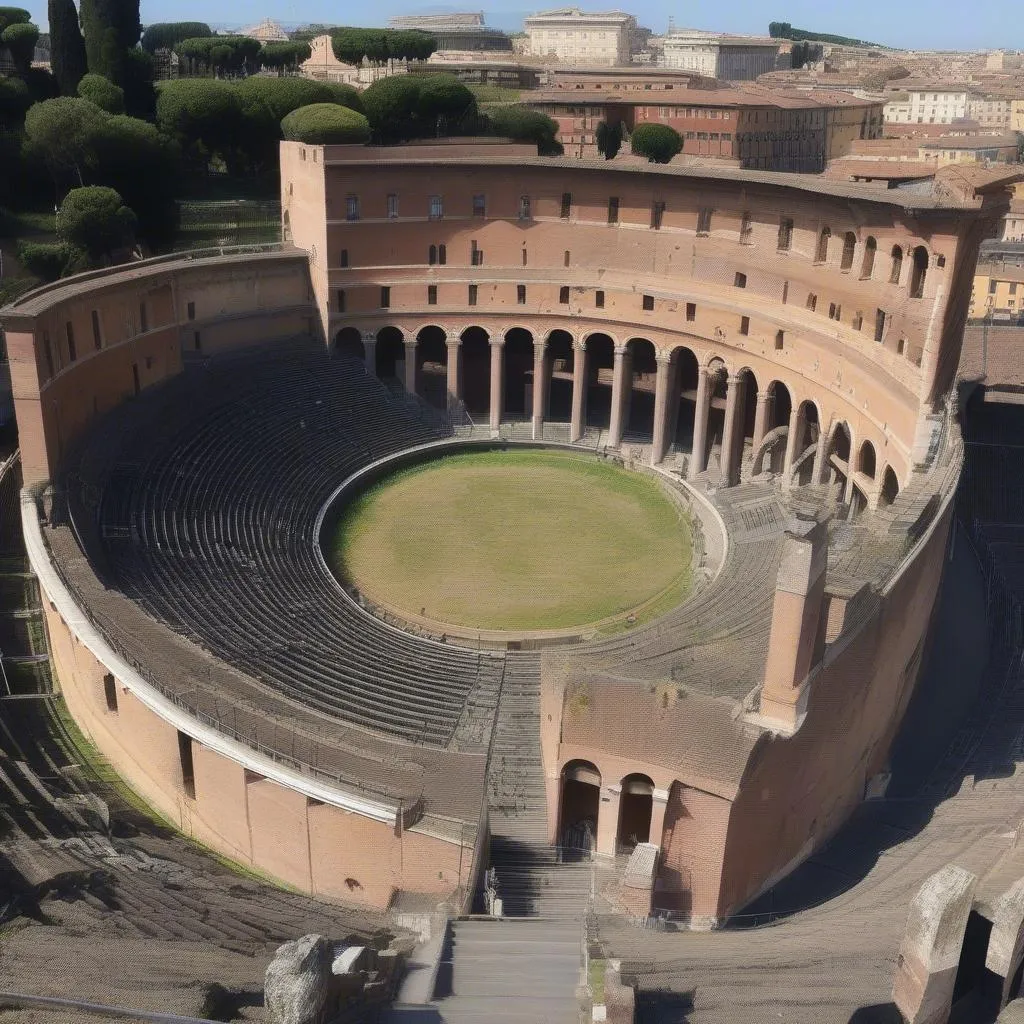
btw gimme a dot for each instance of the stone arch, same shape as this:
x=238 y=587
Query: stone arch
x=769 y=453
x=718 y=388
x=849 y=250
x=432 y=364
x=390 y=352
x=349 y=341
x=518 y=370
x=804 y=441
x=744 y=418
x=684 y=377
x=599 y=368
x=640 y=374
x=836 y=464
x=866 y=460
x=636 y=804
x=579 y=807
x=868 y=263
x=896 y=264
x=918 y=271
x=890 y=488
x=475 y=350
x=560 y=361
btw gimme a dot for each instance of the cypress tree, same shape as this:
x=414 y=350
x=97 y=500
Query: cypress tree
x=67 y=48
x=111 y=29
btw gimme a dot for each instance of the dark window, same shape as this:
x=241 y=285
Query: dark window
x=563 y=295
x=868 y=263
x=780 y=338
x=385 y=297
x=188 y=772
x=786 y=234
x=69 y=327
x=691 y=311
x=352 y=208
x=191 y=311
x=524 y=257
x=565 y=259
x=135 y=378
x=879 y=324
x=392 y=207
x=476 y=256
x=704 y=221
x=897 y=265
x=918 y=272
x=785 y=291
x=341 y=300
x=196 y=341
x=432 y=255
x=858 y=320
x=479 y=205
x=849 y=247
x=744 y=325
x=343 y=258
x=566 y=205
x=812 y=301
x=436 y=207
x=96 y=337
x=110 y=692
x=431 y=294
x=599 y=299
x=472 y=294
x=740 y=280
x=442 y=254
x=821 y=256
x=746 y=229
x=524 y=207
x=521 y=294
x=657 y=215
x=648 y=302
x=613 y=210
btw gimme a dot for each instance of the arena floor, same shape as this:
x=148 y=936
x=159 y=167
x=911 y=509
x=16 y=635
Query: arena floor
x=525 y=540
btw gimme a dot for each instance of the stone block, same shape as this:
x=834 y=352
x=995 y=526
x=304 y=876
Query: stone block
x=297 y=984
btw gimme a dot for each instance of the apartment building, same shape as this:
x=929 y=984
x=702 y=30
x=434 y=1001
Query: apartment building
x=572 y=36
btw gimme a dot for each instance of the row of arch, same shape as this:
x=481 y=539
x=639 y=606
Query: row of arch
x=727 y=421
x=919 y=260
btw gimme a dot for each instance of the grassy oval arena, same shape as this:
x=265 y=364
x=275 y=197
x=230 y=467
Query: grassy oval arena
x=521 y=540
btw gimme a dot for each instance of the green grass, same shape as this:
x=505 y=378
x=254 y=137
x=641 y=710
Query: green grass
x=595 y=979
x=517 y=540
x=495 y=93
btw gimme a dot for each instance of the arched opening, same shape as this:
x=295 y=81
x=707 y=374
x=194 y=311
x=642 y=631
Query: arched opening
x=561 y=357
x=866 y=460
x=641 y=374
x=821 y=255
x=849 y=248
x=518 y=372
x=868 y=264
x=390 y=353
x=476 y=372
x=600 y=370
x=858 y=502
x=718 y=385
x=348 y=341
x=837 y=460
x=918 y=272
x=746 y=421
x=769 y=456
x=580 y=807
x=805 y=445
x=432 y=365
x=896 y=267
x=890 y=488
x=684 y=373
x=636 y=801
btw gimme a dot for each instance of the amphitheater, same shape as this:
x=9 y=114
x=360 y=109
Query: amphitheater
x=777 y=354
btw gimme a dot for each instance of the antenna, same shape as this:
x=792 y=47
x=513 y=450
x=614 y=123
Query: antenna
x=671 y=24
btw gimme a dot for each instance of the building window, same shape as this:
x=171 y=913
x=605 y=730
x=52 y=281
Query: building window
x=472 y=295
x=858 y=321
x=476 y=255
x=188 y=774
x=565 y=259
x=191 y=311
x=879 y=324
x=442 y=254
x=918 y=272
x=785 y=292
x=566 y=205
x=704 y=221
x=786 y=234
x=812 y=301
x=746 y=229
x=70 y=331
x=341 y=300
x=352 y=208
x=196 y=342
x=821 y=254
x=432 y=255
x=691 y=311
x=385 y=297
x=436 y=207
x=431 y=294
x=613 y=210
x=96 y=337
x=849 y=247
x=897 y=265
x=563 y=295
x=648 y=301
x=479 y=205
x=657 y=214
x=110 y=692
x=524 y=257
x=599 y=299
x=521 y=294
x=744 y=325
x=524 y=207
x=392 y=207
x=343 y=258
x=740 y=280
x=780 y=339
x=868 y=264
x=992 y=287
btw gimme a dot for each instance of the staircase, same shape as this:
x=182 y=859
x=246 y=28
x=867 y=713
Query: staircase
x=531 y=880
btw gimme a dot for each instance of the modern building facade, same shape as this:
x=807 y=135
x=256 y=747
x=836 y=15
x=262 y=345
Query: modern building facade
x=716 y=55
x=939 y=104
x=570 y=35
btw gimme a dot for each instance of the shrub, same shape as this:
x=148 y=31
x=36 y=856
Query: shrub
x=609 y=139
x=48 y=260
x=284 y=54
x=346 y=95
x=324 y=124
x=658 y=142
x=62 y=133
x=95 y=219
x=200 y=111
x=103 y=93
x=163 y=35
x=525 y=125
x=20 y=40
x=14 y=102
x=281 y=96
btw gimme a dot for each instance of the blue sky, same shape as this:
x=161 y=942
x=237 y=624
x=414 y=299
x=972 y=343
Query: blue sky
x=922 y=24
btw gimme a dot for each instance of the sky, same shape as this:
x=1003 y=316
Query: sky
x=909 y=24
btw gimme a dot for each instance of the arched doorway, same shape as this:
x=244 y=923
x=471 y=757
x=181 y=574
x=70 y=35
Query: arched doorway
x=805 y=444
x=432 y=365
x=890 y=488
x=600 y=369
x=518 y=356
x=744 y=422
x=836 y=472
x=636 y=802
x=642 y=369
x=476 y=372
x=866 y=460
x=560 y=362
x=348 y=341
x=772 y=432
x=684 y=372
x=580 y=808
x=718 y=385
x=390 y=353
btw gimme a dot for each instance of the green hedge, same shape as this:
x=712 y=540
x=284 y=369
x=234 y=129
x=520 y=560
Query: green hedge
x=324 y=124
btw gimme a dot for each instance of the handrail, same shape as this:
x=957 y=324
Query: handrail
x=21 y=999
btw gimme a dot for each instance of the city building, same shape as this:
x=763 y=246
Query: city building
x=627 y=79
x=459 y=33
x=717 y=55
x=997 y=291
x=927 y=104
x=572 y=36
x=992 y=112
x=267 y=31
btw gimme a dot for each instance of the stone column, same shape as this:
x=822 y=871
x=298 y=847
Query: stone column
x=700 y=424
x=661 y=406
x=497 y=382
x=659 y=801
x=619 y=385
x=792 y=440
x=761 y=413
x=370 y=352
x=454 y=369
x=410 y=366
x=540 y=371
x=733 y=428
x=579 y=392
x=608 y=819
x=820 y=459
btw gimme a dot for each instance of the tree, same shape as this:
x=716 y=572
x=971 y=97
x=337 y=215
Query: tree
x=525 y=125
x=346 y=95
x=62 y=132
x=14 y=102
x=445 y=105
x=325 y=124
x=111 y=28
x=67 y=47
x=779 y=29
x=165 y=34
x=95 y=219
x=203 y=114
x=13 y=16
x=284 y=54
x=609 y=139
x=137 y=82
x=380 y=44
x=50 y=260
x=392 y=107
x=20 y=40
x=41 y=84
x=221 y=54
x=102 y=92
x=658 y=142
